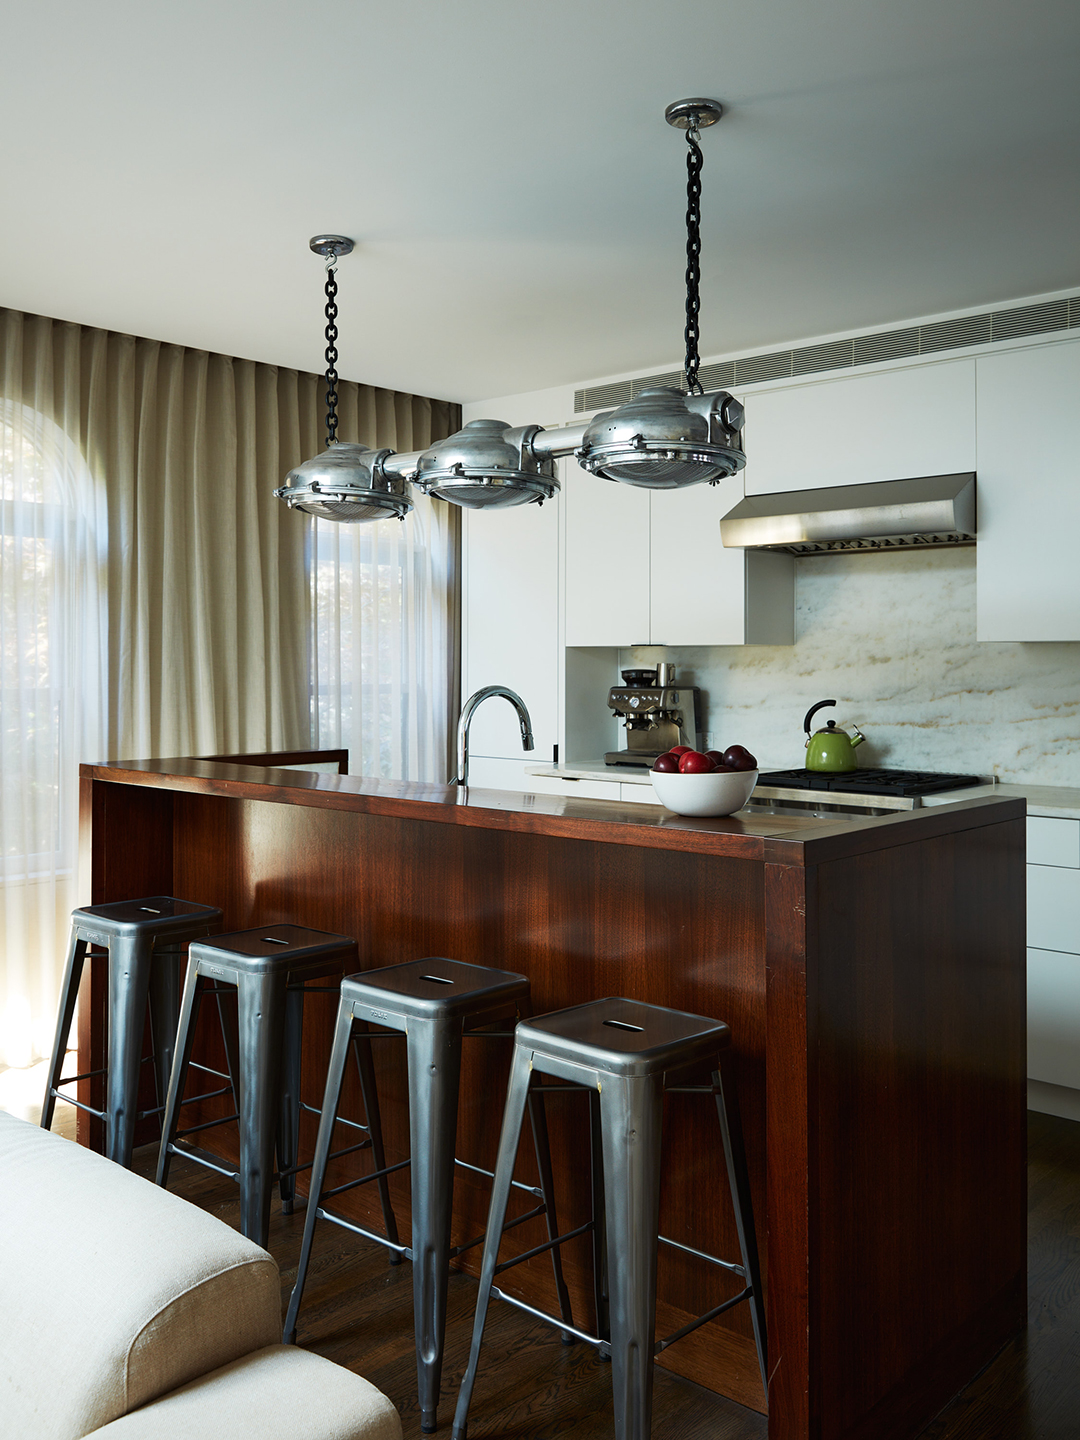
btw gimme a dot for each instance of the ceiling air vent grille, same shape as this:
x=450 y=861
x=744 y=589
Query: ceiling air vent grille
x=845 y=354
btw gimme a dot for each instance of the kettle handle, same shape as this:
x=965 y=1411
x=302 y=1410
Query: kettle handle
x=813 y=711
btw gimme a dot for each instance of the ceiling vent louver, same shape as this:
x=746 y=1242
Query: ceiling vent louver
x=870 y=349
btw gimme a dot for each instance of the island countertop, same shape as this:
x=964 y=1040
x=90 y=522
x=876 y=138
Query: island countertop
x=871 y=970
x=788 y=839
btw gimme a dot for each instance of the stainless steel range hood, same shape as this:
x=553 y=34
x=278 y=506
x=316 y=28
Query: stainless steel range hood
x=931 y=512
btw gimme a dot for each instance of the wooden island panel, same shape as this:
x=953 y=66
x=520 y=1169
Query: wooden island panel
x=872 y=973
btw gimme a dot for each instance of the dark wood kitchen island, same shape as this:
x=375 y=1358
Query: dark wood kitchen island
x=872 y=973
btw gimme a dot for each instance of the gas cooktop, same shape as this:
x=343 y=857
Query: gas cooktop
x=855 y=790
x=869 y=782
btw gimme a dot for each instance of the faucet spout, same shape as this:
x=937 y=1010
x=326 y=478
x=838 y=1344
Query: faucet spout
x=468 y=710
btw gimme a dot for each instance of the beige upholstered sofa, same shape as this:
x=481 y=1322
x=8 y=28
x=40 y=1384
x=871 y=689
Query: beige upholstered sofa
x=128 y=1314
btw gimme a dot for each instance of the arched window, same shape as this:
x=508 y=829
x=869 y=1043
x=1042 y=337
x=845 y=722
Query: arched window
x=52 y=691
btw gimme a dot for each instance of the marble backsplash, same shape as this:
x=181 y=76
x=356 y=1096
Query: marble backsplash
x=892 y=639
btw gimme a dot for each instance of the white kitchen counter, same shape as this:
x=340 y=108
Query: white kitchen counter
x=1061 y=801
x=1056 y=800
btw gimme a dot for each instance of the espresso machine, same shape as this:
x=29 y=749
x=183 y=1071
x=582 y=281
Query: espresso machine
x=657 y=714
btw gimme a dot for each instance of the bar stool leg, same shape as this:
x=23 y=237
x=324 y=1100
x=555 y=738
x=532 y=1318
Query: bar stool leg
x=542 y=1149
x=631 y=1110
x=69 y=994
x=261 y=1017
x=185 y=1038
x=739 y=1181
x=434 y=1065
x=599 y=1212
x=288 y=1135
x=516 y=1099
x=366 y=1070
x=166 y=984
x=130 y=963
x=339 y=1055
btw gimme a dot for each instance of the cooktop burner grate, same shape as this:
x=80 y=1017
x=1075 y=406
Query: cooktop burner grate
x=869 y=782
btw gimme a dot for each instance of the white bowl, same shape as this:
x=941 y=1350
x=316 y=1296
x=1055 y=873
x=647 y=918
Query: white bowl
x=709 y=794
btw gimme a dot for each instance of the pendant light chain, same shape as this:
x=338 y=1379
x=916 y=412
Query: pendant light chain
x=331 y=349
x=693 y=255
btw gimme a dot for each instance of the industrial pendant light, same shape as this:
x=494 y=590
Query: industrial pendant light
x=346 y=481
x=660 y=439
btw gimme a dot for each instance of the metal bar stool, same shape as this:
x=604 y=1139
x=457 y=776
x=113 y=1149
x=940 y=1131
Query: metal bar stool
x=144 y=940
x=430 y=1002
x=620 y=1050
x=268 y=966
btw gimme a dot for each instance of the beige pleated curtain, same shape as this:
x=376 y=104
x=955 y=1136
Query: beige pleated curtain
x=142 y=541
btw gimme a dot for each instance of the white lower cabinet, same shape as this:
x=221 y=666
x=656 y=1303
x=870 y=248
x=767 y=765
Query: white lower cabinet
x=1054 y=1017
x=1053 y=897
x=1053 y=886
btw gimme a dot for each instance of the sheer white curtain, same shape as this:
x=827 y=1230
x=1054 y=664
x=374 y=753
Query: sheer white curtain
x=383 y=597
x=385 y=602
x=53 y=546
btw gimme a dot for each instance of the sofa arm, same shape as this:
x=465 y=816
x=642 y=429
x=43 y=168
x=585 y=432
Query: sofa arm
x=280 y=1393
x=114 y=1291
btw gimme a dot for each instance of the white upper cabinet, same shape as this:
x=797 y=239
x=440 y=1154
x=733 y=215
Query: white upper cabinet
x=647 y=567
x=893 y=425
x=703 y=594
x=1029 y=493
x=510 y=624
x=607 y=560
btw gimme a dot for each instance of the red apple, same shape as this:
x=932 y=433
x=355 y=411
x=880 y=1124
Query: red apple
x=667 y=764
x=695 y=763
x=737 y=757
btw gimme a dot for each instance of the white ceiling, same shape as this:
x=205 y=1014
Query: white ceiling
x=506 y=171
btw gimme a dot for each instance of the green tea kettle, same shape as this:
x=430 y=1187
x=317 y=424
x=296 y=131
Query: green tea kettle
x=830 y=749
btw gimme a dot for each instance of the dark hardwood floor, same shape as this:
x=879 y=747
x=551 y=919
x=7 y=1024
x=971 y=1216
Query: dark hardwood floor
x=357 y=1311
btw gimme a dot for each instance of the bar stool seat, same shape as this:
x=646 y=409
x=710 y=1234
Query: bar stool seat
x=620 y=1051
x=430 y=1002
x=144 y=939
x=269 y=966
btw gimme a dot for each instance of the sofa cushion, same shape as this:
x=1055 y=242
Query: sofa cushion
x=113 y=1291
x=280 y=1393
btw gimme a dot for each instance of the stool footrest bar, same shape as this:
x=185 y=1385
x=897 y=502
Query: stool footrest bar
x=517 y=1184
x=323 y=1214
x=70 y=1079
x=701 y=1255
x=703 y=1319
x=207 y=1070
x=70 y=1099
x=206 y=1124
x=203 y=1157
x=364 y=1179
x=552 y=1320
x=540 y=1249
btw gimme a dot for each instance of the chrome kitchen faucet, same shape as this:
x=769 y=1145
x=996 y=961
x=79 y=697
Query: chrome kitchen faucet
x=468 y=710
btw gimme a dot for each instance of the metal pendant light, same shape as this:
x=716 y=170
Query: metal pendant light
x=346 y=481
x=661 y=439
x=488 y=464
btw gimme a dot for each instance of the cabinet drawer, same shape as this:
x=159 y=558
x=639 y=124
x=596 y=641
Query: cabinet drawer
x=1054 y=1018
x=573 y=789
x=639 y=794
x=1053 y=897
x=1053 y=842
